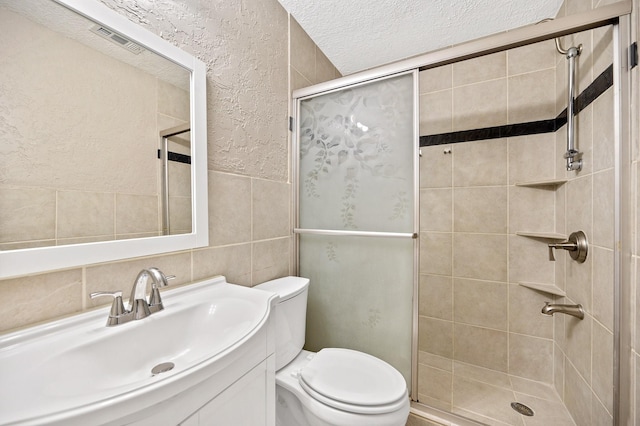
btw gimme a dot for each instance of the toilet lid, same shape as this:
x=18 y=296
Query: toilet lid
x=344 y=378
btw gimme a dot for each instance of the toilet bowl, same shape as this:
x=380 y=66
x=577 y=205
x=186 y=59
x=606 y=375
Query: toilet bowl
x=335 y=386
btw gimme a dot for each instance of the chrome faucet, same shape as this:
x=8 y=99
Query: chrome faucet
x=139 y=306
x=573 y=310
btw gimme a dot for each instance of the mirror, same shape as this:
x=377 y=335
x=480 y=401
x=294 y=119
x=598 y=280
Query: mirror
x=102 y=139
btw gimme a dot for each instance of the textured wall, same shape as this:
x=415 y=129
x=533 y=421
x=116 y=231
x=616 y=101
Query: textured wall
x=245 y=47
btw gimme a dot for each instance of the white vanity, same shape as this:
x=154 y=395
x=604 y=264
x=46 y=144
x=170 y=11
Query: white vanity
x=78 y=371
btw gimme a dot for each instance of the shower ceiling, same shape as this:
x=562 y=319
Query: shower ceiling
x=360 y=34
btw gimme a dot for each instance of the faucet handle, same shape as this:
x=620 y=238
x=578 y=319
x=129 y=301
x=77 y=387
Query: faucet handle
x=117 y=307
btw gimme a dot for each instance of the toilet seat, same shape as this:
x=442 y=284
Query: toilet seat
x=353 y=381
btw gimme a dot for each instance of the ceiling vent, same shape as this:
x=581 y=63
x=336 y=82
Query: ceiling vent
x=116 y=38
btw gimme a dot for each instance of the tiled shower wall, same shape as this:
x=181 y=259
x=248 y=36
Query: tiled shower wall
x=583 y=350
x=249 y=189
x=472 y=310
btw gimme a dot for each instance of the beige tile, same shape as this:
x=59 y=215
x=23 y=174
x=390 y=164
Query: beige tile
x=435 y=253
x=84 y=214
x=172 y=100
x=137 y=213
x=545 y=412
x=27 y=214
x=179 y=179
x=486 y=400
x=180 y=214
x=578 y=345
x=436 y=112
x=480 y=105
x=480 y=303
x=481 y=346
x=480 y=209
x=534 y=57
x=561 y=213
x=325 y=70
x=483 y=68
x=558 y=370
x=602 y=367
x=531 y=97
x=435 y=403
x=603 y=289
x=585 y=61
x=534 y=388
x=602 y=49
x=531 y=209
x=270 y=260
x=484 y=375
x=435 y=337
x=435 y=167
x=480 y=163
x=303 y=51
x=579 y=200
x=524 y=312
x=435 y=383
x=298 y=81
x=234 y=262
x=529 y=260
x=435 y=210
x=531 y=357
x=577 y=396
x=603 y=209
x=436 y=297
x=599 y=414
x=121 y=275
x=29 y=300
x=579 y=281
x=485 y=420
x=435 y=79
x=415 y=420
x=229 y=209
x=480 y=256
x=603 y=131
x=531 y=158
x=436 y=361
x=271 y=205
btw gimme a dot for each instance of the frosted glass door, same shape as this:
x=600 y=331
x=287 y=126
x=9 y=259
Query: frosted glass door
x=357 y=150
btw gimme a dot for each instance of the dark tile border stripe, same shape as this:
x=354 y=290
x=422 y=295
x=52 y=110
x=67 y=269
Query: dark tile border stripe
x=591 y=93
x=179 y=158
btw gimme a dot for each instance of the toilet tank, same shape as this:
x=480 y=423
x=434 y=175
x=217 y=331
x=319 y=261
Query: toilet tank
x=290 y=316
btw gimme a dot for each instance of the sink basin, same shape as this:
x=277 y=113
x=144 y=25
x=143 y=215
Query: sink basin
x=75 y=367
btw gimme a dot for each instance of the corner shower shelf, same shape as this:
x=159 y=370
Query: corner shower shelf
x=547 y=288
x=541 y=183
x=543 y=235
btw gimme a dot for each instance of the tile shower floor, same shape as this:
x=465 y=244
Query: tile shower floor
x=486 y=396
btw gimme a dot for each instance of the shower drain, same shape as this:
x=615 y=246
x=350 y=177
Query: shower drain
x=522 y=409
x=163 y=368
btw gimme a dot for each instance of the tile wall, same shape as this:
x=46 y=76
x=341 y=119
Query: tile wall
x=249 y=187
x=473 y=312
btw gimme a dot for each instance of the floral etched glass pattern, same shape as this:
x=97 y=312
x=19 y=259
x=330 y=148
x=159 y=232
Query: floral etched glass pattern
x=357 y=152
x=356 y=156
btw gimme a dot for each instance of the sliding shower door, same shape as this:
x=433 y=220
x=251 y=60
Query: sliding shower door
x=356 y=178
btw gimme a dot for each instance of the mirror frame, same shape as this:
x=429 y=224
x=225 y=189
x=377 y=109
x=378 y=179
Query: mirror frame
x=15 y=263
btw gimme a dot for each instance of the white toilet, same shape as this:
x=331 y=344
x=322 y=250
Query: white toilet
x=334 y=386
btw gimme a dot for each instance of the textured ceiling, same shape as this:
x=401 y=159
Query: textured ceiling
x=360 y=34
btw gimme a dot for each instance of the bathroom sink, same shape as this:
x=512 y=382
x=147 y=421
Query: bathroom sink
x=61 y=371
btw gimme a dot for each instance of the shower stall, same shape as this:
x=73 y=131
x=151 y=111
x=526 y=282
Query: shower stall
x=429 y=195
